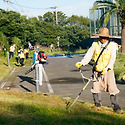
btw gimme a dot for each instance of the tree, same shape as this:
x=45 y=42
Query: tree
x=76 y=20
x=114 y=7
x=73 y=35
x=48 y=17
x=3 y=41
x=61 y=17
x=73 y=20
x=20 y=30
x=17 y=42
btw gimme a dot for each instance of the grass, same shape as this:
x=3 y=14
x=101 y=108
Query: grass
x=18 y=108
x=119 y=66
x=4 y=69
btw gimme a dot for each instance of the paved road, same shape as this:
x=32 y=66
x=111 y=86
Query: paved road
x=64 y=80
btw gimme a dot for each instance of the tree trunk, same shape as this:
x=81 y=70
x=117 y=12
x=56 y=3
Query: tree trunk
x=123 y=39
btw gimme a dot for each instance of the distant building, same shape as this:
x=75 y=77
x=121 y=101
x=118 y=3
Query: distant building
x=114 y=24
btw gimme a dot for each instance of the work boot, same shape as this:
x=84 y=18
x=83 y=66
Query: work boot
x=117 y=109
x=97 y=99
x=115 y=105
x=98 y=104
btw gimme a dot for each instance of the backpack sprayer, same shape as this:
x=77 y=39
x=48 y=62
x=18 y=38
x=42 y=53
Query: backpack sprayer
x=83 y=77
x=42 y=59
x=31 y=69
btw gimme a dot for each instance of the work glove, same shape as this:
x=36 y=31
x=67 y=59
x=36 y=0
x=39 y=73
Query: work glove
x=78 y=64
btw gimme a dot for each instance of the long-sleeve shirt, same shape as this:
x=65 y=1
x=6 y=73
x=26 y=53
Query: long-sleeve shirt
x=90 y=53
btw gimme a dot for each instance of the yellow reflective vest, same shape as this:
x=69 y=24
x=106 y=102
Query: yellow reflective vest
x=12 y=49
x=21 y=55
x=104 y=58
x=25 y=51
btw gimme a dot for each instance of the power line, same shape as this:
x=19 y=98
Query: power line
x=21 y=6
x=22 y=9
x=55 y=7
x=25 y=6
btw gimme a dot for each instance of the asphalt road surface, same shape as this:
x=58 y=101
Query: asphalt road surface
x=64 y=78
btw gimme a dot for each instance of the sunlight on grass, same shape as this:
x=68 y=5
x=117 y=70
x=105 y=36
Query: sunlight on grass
x=18 y=108
x=37 y=108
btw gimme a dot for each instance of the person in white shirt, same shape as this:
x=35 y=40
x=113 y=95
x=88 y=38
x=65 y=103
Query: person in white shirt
x=12 y=50
x=103 y=73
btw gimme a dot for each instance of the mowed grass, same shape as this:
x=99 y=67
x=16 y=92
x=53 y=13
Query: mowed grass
x=19 y=108
x=4 y=69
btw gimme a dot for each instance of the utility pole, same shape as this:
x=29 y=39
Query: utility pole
x=7 y=4
x=56 y=13
x=56 y=16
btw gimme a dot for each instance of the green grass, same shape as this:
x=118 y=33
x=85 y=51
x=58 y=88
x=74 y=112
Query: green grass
x=59 y=51
x=119 y=66
x=5 y=69
x=19 y=108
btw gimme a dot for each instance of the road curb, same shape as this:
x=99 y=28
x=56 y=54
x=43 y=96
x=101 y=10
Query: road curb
x=6 y=76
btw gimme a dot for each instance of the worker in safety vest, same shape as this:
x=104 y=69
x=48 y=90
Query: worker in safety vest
x=26 y=53
x=21 y=57
x=52 y=47
x=12 y=50
x=103 y=74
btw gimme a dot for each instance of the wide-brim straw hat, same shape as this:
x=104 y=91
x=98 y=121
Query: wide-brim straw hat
x=103 y=32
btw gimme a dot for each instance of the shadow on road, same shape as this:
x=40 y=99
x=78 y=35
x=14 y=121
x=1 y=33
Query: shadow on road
x=83 y=70
x=27 y=79
x=67 y=80
x=25 y=88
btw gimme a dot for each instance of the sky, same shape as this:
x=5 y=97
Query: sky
x=34 y=8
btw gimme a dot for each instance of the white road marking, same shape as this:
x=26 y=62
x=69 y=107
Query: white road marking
x=3 y=84
x=47 y=80
x=12 y=71
x=50 y=88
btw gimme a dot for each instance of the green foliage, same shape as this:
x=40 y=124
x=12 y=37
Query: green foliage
x=112 y=7
x=76 y=20
x=17 y=42
x=48 y=17
x=3 y=41
x=117 y=6
x=119 y=66
x=44 y=30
